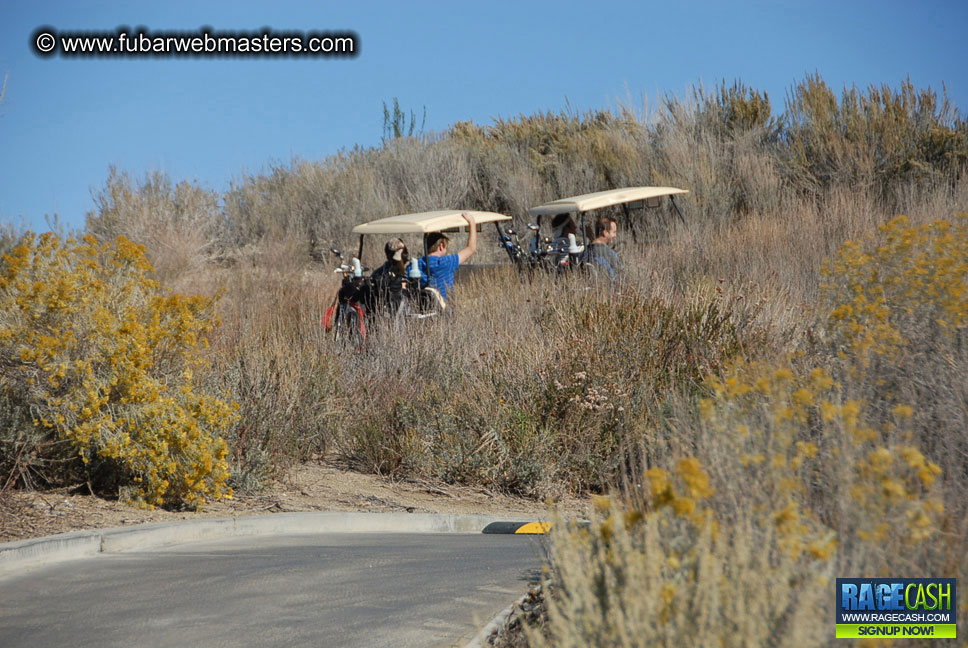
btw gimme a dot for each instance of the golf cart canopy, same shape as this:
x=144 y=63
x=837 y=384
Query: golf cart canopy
x=446 y=220
x=599 y=199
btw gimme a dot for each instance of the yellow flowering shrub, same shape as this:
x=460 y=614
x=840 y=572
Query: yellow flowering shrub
x=846 y=457
x=104 y=362
x=816 y=461
x=907 y=287
x=849 y=435
x=675 y=573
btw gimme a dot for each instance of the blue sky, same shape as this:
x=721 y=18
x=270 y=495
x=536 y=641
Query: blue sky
x=63 y=122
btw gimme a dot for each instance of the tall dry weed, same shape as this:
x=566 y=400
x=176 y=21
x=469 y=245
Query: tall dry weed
x=180 y=226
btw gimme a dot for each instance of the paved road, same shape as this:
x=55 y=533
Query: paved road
x=325 y=590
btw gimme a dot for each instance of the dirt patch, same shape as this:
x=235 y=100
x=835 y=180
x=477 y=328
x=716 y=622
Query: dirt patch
x=322 y=486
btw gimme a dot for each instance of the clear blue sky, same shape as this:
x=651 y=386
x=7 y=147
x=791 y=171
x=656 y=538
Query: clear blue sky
x=63 y=121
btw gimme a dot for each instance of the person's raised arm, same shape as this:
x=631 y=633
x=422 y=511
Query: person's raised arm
x=471 y=248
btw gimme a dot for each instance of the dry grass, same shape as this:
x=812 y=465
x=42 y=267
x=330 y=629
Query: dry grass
x=543 y=387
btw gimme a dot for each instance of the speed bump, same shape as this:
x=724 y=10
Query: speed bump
x=520 y=528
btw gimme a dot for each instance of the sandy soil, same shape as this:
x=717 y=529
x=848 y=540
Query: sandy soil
x=310 y=487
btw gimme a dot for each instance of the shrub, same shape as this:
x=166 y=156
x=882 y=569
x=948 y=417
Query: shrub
x=871 y=139
x=674 y=575
x=571 y=153
x=846 y=457
x=899 y=327
x=271 y=355
x=179 y=226
x=860 y=433
x=100 y=364
x=548 y=409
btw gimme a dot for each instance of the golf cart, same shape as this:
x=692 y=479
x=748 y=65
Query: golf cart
x=570 y=229
x=403 y=294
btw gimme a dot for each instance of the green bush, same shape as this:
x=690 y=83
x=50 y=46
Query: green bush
x=872 y=139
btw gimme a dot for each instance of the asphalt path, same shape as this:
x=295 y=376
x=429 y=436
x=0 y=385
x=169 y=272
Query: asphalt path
x=323 y=590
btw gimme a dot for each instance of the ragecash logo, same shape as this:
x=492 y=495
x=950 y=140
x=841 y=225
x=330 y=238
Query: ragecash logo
x=902 y=608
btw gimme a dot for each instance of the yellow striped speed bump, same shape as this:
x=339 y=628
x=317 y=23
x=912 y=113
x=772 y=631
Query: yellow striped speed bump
x=529 y=528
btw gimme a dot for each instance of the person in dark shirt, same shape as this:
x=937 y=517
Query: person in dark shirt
x=397 y=258
x=600 y=252
x=389 y=281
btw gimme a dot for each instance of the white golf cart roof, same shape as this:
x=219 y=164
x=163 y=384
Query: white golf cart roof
x=426 y=222
x=599 y=199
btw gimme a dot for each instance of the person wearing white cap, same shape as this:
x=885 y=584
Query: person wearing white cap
x=389 y=281
x=397 y=258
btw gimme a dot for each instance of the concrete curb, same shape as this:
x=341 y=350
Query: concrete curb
x=495 y=624
x=36 y=552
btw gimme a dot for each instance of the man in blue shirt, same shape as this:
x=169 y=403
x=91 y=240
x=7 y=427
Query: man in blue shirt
x=441 y=265
x=600 y=252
